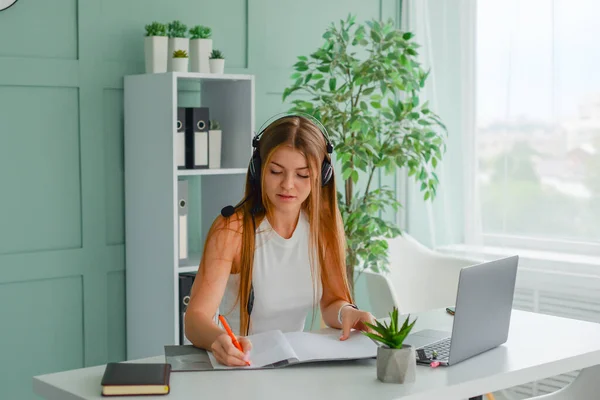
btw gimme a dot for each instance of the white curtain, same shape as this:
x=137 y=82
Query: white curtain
x=437 y=28
x=516 y=83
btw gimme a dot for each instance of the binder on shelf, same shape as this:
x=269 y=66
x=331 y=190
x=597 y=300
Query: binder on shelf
x=186 y=281
x=180 y=125
x=182 y=206
x=200 y=121
x=198 y=118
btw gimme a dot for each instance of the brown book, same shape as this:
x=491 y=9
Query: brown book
x=134 y=379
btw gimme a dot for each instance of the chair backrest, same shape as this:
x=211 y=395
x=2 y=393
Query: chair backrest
x=419 y=279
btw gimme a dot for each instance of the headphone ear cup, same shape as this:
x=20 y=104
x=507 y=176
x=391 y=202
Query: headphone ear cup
x=255 y=168
x=326 y=172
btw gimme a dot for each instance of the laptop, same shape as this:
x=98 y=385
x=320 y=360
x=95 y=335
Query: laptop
x=484 y=301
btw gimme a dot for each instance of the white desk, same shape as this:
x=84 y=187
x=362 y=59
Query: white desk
x=539 y=346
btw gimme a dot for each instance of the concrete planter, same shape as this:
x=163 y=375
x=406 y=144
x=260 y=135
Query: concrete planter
x=396 y=365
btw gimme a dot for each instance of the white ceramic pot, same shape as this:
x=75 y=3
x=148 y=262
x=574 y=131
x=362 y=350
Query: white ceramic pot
x=177 y=44
x=396 y=365
x=180 y=64
x=217 y=66
x=200 y=50
x=214 y=148
x=156 y=54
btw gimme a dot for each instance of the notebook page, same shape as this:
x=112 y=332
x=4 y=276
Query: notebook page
x=267 y=348
x=328 y=346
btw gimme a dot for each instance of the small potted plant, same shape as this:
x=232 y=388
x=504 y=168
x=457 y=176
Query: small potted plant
x=217 y=62
x=177 y=31
x=200 y=48
x=396 y=361
x=155 y=47
x=180 y=61
x=214 y=144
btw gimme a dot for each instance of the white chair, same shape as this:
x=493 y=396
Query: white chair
x=419 y=279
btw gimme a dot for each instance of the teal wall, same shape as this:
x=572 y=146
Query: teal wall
x=62 y=62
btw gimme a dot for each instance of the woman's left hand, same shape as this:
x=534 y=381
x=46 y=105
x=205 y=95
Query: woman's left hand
x=354 y=319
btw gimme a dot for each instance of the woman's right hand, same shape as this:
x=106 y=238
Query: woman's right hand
x=227 y=354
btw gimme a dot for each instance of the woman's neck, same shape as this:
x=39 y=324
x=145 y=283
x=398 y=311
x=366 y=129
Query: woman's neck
x=284 y=223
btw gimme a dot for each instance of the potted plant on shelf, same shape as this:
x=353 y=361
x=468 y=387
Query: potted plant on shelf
x=155 y=48
x=214 y=144
x=176 y=31
x=180 y=61
x=217 y=62
x=396 y=361
x=200 y=48
x=365 y=85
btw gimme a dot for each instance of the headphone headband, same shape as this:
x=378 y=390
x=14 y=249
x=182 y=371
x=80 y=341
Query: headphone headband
x=282 y=115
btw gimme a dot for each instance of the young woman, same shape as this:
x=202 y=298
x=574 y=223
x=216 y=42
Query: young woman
x=270 y=260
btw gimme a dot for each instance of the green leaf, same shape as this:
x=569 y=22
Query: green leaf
x=355 y=176
x=375 y=104
x=296 y=75
x=346 y=174
x=332 y=83
x=378 y=338
x=407 y=36
x=302 y=58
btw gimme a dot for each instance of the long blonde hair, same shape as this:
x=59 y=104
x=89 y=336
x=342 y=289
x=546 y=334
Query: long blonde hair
x=326 y=237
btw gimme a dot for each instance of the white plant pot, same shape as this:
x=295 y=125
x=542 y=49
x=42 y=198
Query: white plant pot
x=214 y=148
x=396 y=365
x=177 y=44
x=180 y=64
x=200 y=50
x=156 y=54
x=217 y=66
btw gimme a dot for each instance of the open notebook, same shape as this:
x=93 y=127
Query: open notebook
x=276 y=349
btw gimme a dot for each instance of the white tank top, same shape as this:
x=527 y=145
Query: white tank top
x=284 y=293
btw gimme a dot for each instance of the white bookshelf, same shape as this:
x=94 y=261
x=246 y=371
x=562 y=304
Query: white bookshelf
x=151 y=206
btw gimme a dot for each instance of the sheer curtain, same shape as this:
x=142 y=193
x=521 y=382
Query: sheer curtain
x=438 y=28
x=516 y=83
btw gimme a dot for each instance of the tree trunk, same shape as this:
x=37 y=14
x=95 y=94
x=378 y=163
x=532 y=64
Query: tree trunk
x=351 y=263
x=350 y=259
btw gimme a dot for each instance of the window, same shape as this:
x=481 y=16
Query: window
x=537 y=125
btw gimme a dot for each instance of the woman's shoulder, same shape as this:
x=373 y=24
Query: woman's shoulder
x=231 y=227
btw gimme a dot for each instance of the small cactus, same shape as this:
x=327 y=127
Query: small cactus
x=177 y=29
x=180 y=54
x=216 y=54
x=156 y=29
x=200 y=32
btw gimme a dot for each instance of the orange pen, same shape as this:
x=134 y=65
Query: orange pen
x=231 y=335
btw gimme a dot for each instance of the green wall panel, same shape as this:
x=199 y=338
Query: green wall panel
x=293 y=28
x=42 y=331
x=116 y=323
x=114 y=166
x=39 y=169
x=40 y=28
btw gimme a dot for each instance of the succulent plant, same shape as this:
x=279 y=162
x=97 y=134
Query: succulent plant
x=156 y=29
x=216 y=54
x=200 y=32
x=391 y=335
x=180 y=54
x=177 y=29
x=214 y=125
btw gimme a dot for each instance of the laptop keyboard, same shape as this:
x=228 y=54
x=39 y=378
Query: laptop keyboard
x=440 y=349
